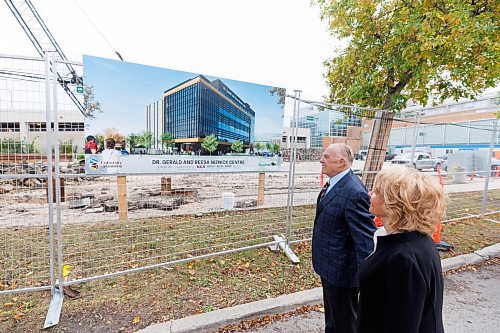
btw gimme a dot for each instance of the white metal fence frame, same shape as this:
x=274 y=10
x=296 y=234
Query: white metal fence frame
x=277 y=224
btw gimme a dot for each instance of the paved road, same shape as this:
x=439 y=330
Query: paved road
x=472 y=305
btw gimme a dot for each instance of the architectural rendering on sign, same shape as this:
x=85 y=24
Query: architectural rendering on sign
x=198 y=107
x=154 y=110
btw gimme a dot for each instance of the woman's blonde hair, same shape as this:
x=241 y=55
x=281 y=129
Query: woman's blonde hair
x=411 y=201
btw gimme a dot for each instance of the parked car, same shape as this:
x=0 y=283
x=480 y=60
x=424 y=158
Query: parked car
x=444 y=162
x=361 y=155
x=495 y=166
x=390 y=157
x=420 y=161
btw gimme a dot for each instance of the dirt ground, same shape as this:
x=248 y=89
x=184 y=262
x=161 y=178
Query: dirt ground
x=198 y=193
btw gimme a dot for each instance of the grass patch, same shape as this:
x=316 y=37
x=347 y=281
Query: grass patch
x=129 y=302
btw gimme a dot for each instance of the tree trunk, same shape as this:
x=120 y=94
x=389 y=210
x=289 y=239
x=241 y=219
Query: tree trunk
x=377 y=148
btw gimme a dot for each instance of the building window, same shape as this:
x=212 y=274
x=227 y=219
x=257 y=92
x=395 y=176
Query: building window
x=301 y=139
x=9 y=127
x=283 y=139
x=71 y=127
x=37 y=127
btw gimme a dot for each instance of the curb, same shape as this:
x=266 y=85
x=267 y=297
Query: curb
x=210 y=321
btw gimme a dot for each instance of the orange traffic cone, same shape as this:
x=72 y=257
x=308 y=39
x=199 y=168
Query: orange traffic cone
x=473 y=174
x=436 y=237
x=441 y=245
x=440 y=177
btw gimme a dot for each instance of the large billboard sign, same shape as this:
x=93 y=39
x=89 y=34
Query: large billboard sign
x=157 y=117
x=173 y=164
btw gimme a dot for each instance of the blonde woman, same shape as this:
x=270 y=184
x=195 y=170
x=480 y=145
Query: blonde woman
x=401 y=283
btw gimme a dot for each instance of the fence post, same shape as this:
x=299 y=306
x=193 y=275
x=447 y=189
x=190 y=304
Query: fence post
x=260 y=192
x=488 y=167
x=166 y=185
x=121 y=182
x=415 y=138
x=285 y=243
x=54 y=312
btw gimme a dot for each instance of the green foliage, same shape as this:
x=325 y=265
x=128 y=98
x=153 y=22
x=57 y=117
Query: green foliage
x=275 y=148
x=167 y=140
x=133 y=140
x=90 y=104
x=99 y=140
x=12 y=146
x=145 y=139
x=426 y=51
x=66 y=148
x=237 y=146
x=258 y=147
x=269 y=146
x=210 y=143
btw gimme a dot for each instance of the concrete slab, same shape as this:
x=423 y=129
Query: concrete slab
x=452 y=263
x=490 y=251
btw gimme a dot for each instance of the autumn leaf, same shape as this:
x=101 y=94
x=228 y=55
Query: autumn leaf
x=136 y=320
x=18 y=316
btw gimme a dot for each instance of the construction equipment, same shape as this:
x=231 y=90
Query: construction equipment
x=43 y=41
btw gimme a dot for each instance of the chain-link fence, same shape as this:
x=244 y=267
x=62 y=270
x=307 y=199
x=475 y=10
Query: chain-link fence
x=103 y=226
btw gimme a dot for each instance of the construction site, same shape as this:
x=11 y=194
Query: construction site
x=128 y=250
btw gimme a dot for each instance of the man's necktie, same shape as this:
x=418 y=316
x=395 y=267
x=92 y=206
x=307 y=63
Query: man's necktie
x=323 y=190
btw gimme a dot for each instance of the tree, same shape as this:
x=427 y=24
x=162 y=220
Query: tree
x=99 y=140
x=210 y=143
x=258 y=147
x=269 y=146
x=145 y=139
x=275 y=148
x=426 y=51
x=280 y=92
x=167 y=140
x=237 y=146
x=112 y=133
x=90 y=105
x=133 y=140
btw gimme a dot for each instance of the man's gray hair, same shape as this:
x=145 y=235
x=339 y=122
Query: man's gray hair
x=345 y=151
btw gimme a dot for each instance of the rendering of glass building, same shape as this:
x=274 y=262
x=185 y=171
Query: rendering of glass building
x=328 y=123
x=198 y=107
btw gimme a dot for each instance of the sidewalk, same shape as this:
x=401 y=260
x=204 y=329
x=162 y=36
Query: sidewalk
x=210 y=321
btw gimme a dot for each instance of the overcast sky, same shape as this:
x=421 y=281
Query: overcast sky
x=273 y=42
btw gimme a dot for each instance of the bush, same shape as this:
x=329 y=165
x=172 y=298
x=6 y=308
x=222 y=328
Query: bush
x=12 y=146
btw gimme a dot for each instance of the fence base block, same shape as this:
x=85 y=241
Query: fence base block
x=55 y=307
x=285 y=248
x=444 y=246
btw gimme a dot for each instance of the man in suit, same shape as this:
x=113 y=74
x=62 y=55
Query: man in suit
x=342 y=237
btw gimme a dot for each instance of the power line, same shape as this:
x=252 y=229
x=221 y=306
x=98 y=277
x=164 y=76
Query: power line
x=97 y=29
